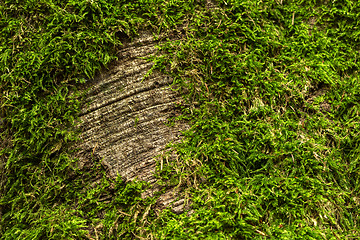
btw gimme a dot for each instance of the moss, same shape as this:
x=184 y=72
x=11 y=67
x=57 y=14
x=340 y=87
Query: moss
x=273 y=94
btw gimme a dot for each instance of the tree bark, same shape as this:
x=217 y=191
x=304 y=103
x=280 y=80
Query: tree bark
x=124 y=119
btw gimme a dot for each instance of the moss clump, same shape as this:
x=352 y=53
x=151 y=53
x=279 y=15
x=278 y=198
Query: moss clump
x=274 y=88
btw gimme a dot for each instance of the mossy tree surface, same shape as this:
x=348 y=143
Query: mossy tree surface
x=275 y=119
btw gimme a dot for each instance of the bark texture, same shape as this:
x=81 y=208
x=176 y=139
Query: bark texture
x=125 y=118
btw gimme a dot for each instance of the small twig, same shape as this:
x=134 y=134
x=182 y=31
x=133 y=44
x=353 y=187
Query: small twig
x=207 y=89
x=124 y=213
x=293 y=18
x=94 y=148
x=219 y=23
x=260 y=232
x=161 y=163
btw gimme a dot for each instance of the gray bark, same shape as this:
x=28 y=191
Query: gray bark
x=124 y=120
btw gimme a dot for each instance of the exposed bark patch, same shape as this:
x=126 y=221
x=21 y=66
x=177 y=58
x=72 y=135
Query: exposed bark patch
x=124 y=119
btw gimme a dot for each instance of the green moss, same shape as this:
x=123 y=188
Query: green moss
x=269 y=131
x=273 y=92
